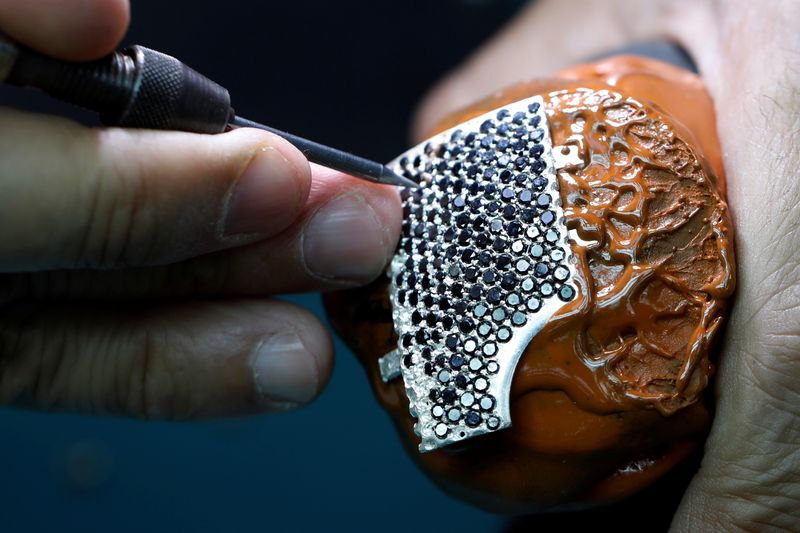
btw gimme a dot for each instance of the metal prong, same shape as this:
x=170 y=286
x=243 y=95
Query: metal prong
x=390 y=366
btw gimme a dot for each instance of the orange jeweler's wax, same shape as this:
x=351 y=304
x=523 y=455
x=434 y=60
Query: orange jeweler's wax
x=612 y=393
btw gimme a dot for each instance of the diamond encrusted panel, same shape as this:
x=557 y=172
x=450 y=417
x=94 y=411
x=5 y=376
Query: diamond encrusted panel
x=483 y=263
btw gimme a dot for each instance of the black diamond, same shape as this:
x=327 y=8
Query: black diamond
x=465 y=236
x=451 y=342
x=487 y=125
x=538 y=166
x=514 y=228
x=449 y=395
x=479 y=222
x=460 y=307
x=461 y=381
x=447 y=322
x=489 y=276
x=416 y=317
x=475 y=292
x=482 y=240
x=494 y=295
x=540 y=270
x=499 y=244
x=467 y=254
x=485 y=258
x=421 y=336
x=509 y=212
x=503 y=261
x=473 y=419
x=466 y=325
x=456 y=361
x=508 y=281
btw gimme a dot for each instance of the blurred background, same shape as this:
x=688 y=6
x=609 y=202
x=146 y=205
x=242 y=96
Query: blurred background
x=346 y=73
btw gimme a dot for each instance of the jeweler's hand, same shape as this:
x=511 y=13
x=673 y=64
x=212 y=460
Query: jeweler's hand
x=133 y=264
x=749 y=56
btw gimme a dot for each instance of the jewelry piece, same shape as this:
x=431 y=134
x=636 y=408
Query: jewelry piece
x=483 y=264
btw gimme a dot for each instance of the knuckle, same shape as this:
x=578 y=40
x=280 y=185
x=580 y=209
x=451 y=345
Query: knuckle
x=119 y=227
x=154 y=391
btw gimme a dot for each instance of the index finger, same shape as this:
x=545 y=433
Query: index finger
x=77 y=30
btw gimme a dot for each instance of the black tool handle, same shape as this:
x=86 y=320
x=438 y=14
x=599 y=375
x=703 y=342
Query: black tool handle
x=136 y=87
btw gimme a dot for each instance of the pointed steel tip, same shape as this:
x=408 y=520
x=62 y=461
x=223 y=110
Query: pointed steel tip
x=392 y=178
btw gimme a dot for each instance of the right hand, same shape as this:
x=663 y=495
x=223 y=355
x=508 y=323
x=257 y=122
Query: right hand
x=136 y=265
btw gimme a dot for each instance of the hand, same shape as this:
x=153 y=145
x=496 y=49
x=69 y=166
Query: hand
x=749 y=56
x=134 y=263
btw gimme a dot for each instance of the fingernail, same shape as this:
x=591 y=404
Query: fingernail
x=284 y=371
x=345 y=241
x=258 y=201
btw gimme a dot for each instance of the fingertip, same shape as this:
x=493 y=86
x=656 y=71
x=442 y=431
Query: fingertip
x=292 y=364
x=352 y=229
x=272 y=185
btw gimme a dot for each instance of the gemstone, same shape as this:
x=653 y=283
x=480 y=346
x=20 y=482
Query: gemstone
x=470 y=345
x=475 y=364
x=461 y=381
x=518 y=318
x=543 y=200
x=480 y=310
x=456 y=361
x=466 y=325
x=566 y=293
x=486 y=403
x=467 y=399
x=489 y=349
x=509 y=281
x=473 y=419
x=449 y=395
x=481 y=384
x=546 y=289
x=441 y=430
x=443 y=376
x=493 y=295
x=503 y=334
x=503 y=261
x=454 y=414
x=451 y=341
x=499 y=314
x=561 y=273
x=540 y=270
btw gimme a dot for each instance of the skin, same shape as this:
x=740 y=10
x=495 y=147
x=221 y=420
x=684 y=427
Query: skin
x=749 y=57
x=103 y=311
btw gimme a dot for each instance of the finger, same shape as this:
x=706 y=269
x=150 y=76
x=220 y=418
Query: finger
x=345 y=236
x=104 y=198
x=67 y=29
x=205 y=359
x=546 y=36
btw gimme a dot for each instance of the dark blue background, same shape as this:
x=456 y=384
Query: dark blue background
x=337 y=72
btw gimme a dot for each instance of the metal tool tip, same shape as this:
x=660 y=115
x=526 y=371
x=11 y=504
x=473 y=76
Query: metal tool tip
x=393 y=178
